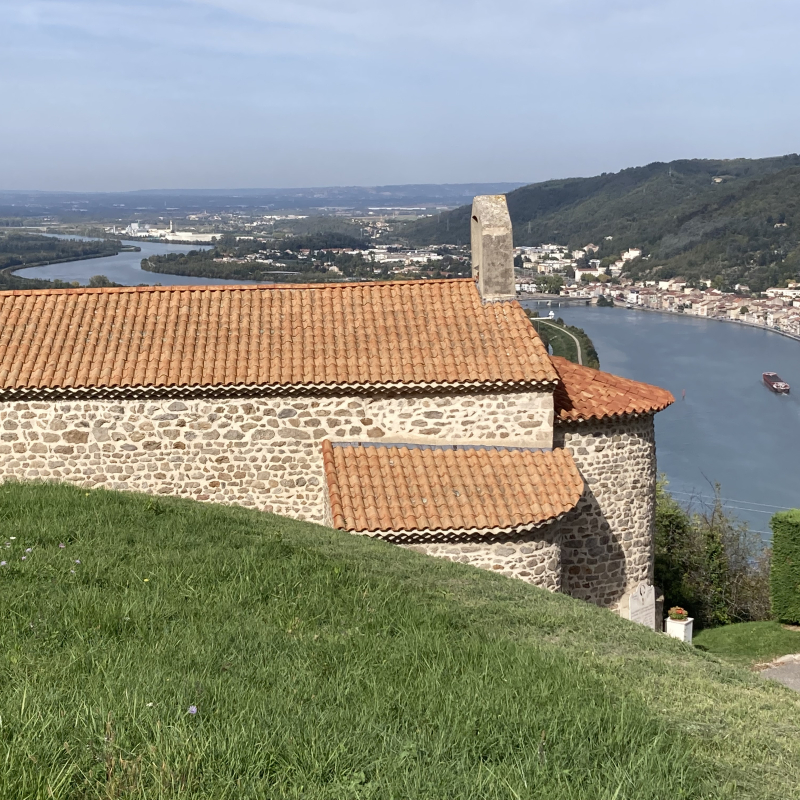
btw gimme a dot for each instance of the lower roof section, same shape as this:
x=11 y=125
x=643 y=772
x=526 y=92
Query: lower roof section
x=587 y=394
x=408 y=493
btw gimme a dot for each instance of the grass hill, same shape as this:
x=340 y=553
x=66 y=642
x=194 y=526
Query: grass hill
x=697 y=218
x=162 y=648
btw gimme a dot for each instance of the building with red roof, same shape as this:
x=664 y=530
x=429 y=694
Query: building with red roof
x=425 y=413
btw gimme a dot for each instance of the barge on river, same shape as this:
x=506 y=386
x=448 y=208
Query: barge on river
x=773 y=382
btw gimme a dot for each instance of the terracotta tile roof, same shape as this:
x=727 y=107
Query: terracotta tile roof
x=585 y=394
x=367 y=334
x=404 y=493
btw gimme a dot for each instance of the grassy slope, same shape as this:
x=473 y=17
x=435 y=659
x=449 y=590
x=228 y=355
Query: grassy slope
x=749 y=642
x=325 y=665
x=563 y=344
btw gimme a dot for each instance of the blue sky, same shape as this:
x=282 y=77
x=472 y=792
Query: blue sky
x=107 y=95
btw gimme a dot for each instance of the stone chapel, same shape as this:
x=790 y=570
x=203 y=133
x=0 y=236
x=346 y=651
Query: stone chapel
x=427 y=413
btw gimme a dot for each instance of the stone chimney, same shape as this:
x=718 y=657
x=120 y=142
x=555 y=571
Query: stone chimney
x=492 y=248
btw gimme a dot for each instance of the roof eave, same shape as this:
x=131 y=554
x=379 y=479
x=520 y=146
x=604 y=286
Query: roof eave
x=610 y=417
x=199 y=391
x=434 y=535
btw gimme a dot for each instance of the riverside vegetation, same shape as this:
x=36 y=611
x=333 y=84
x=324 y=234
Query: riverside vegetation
x=710 y=563
x=291 y=260
x=730 y=221
x=19 y=250
x=166 y=648
x=560 y=343
x=754 y=643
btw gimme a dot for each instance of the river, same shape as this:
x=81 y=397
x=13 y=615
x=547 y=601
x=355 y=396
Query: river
x=124 y=268
x=730 y=429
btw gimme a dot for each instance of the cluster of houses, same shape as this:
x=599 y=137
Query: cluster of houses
x=555 y=259
x=779 y=308
x=399 y=260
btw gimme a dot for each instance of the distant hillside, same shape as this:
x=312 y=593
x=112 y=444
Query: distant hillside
x=735 y=220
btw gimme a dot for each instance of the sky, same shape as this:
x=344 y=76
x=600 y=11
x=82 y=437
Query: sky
x=154 y=94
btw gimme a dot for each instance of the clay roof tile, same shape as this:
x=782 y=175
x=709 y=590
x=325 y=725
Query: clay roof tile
x=317 y=335
x=585 y=394
x=394 y=491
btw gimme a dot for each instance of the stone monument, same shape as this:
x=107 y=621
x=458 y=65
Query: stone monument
x=642 y=605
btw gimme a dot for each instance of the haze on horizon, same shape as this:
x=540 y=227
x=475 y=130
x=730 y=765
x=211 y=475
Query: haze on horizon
x=101 y=95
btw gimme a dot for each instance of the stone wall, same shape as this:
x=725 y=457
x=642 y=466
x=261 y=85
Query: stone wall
x=261 y=453
x=603 y=548
x=607 y=540
x=266 y=454
x=533 y=557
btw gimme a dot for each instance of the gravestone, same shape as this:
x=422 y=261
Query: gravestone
x=643 y=605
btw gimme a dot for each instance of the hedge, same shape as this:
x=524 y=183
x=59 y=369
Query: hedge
x=784 y=578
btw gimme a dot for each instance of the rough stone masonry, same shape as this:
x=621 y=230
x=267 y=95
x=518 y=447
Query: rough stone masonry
x=260 y=453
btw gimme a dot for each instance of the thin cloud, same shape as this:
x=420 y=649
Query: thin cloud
x=272 y=92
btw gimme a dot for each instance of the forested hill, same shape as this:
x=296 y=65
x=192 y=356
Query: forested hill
x=734 y=220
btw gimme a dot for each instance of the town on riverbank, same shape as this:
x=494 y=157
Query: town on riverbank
x=554 y=270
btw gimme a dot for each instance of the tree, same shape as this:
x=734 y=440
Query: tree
x=101 y=282
x=709 y=562
x=550 y=284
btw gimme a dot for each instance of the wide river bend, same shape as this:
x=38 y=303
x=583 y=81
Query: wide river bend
x=124 y=268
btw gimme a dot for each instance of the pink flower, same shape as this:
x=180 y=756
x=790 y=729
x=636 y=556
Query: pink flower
x=61 y=546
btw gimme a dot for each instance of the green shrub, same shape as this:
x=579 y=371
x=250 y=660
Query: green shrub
x=784 y=576
x=709 y=563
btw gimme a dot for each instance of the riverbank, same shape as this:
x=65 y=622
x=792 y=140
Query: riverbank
x=11 y=270
x=564 y=340
x=34 y=251
x=728 y=428
x=124 y=268
x=539 y=297
x=678 y=314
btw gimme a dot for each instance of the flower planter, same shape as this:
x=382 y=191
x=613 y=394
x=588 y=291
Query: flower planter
x=680 y=629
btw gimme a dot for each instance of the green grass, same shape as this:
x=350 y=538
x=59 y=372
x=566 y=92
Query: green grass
x=325 y=665
x=749 y=642
x=562 y=343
